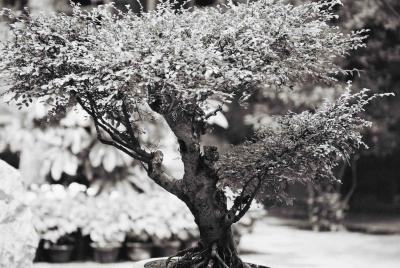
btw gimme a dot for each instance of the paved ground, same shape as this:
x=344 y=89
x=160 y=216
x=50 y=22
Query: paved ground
x=278 y=246
x=285 y=247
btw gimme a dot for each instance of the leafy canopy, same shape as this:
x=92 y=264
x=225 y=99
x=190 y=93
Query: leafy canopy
x=301 y=147
x=117 y=65
x=182 y=57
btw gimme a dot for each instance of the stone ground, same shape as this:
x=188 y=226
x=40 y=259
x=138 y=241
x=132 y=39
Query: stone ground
x=277 y=245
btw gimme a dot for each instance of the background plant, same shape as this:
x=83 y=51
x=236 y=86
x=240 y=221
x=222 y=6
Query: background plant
x=58 y=212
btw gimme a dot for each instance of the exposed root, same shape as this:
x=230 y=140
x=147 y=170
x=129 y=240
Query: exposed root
x=201 y=264
x=183 y=253
x=244 y=265
x=230 y=254
x=215 y=254
x=205 y=257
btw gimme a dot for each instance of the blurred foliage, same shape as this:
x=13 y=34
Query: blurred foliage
x=109 y=217
x=379 y=63
x=326 y=209
x=67 y=147
x=113 y=217
x=376 y=66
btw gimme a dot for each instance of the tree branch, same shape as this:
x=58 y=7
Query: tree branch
x=243 y=202
x=116 y=145
x=128 y=124
x=101 y=122
x=134 y=141
x=213 y=113
x=110 y=129
x=248 y=203
x=157 y=174
x=120 y=142
x=154 y=160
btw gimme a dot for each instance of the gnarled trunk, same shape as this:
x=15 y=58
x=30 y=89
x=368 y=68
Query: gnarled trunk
x=206 y=202
x=208 y=205
x=223 y=247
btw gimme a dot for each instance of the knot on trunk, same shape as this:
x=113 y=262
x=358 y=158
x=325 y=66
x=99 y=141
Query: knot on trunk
x=157 y=157
x=210 y=154
x=156 y=161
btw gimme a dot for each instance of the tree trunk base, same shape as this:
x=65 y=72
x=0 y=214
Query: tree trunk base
x=208 y=253
x=173 y=263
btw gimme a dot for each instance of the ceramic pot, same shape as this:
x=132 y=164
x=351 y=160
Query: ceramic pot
x=59 y=253
x=166 y=248
x=105 y=254
x=138 y=251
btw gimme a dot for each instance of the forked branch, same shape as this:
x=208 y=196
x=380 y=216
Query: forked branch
x=243 y=202
x=152 y=162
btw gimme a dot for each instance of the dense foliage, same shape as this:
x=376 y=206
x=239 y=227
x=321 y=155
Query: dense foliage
x=188 y=56
x=184 y=58
x=126 y=69
x=300 y=147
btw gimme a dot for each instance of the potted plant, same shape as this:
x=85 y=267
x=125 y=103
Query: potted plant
x=139 y=246
x=107 y=226
x=163 y=229
x=51 y=207
x=179 y=224
x=61 y=250
x=106 y=250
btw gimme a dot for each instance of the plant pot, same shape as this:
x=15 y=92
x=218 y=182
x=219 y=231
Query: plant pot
x=106 y=254
x=137 y=251
x=165 y=249
x=59 y=253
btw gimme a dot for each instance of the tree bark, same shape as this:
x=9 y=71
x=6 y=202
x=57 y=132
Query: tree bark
x=208 y=206
x=198 y=189
x=216 y=236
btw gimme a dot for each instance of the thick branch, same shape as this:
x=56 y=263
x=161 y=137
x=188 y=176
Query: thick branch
x=157 y=174
x=189 y=145
x=243 y=202
x=247 y=205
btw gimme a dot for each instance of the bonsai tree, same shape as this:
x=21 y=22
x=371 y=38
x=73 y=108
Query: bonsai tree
x=124 y=69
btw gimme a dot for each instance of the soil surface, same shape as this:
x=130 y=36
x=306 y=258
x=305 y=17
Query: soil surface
x=161 y=264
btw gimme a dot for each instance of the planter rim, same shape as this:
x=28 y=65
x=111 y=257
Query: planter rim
x=60 y=247
x=106 y=246
x=139 y=243
x=167 y=242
